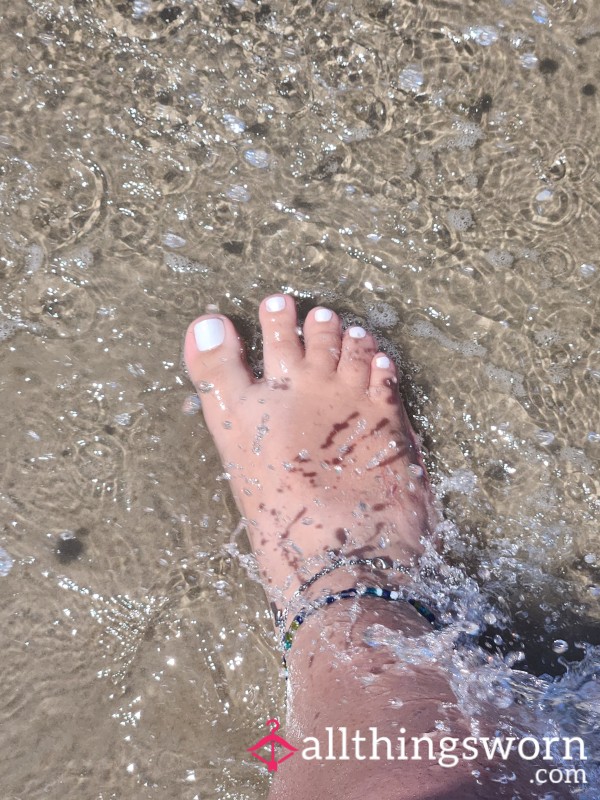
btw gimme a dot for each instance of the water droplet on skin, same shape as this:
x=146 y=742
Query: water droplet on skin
x=415 y=470
x=303 y=455
x=307 y=521
x=205 y=387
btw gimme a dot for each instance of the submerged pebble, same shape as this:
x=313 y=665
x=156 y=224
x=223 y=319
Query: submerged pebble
x=411 y=79
x=235 y=124
x=173 y=240
x=540 y=14
x=484 y=35
x=587 y=270
x=191 y=405
x=140 y=8
x=544 y=437
x=238 y=193
x=257 y=158
x=68 y=547
x=6 y=562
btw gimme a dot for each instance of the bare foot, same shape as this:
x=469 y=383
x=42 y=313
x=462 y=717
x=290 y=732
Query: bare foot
x=321 y=454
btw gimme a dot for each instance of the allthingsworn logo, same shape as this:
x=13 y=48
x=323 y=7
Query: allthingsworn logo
x=270 y=742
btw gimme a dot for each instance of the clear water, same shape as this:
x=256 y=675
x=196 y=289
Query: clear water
x=428 y=169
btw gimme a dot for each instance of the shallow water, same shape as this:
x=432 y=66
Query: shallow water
x=428 y=169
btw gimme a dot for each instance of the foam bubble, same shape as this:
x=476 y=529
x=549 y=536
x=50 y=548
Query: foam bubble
x=179 y=263
x=467 y=136
x=426 y=329
x=511 y=382
x=460 y=219
x=499 y=258
x=8 y=327
x=382 y=315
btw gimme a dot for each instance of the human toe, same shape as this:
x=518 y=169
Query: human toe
x=358 y=348
x=214 y=357
x=322 y=340
x=383 y=380
x=282 y=347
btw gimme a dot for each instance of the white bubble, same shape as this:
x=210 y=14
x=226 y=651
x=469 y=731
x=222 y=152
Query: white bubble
x=560 y=646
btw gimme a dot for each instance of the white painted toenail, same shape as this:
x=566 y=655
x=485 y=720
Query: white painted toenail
x=357 y=332
x=323 y=315
x=275 y=303
x=382 y=362
x=209 y=333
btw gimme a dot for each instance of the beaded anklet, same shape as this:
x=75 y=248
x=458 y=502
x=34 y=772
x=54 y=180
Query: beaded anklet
x=355 y=591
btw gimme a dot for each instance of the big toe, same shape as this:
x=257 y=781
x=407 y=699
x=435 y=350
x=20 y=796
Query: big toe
x=214 y=357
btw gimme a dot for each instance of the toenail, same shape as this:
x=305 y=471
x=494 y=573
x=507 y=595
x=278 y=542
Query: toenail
x=323 y=315
x=209 y=333
x=275 y=303
x=382 y=362
x=357 y=332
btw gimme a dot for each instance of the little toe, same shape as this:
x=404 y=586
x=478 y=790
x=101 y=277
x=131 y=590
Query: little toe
x=383 y=383
x=214 y=357
x=358 y=348
x=322 y=340
x=283 y=349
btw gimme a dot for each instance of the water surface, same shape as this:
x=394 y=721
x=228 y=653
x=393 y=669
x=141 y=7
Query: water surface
x=427 y=169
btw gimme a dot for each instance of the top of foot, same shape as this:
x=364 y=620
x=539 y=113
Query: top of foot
x=320 y=451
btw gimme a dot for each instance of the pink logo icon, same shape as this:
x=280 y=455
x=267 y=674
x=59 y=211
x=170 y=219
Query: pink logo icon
x=270 y=741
